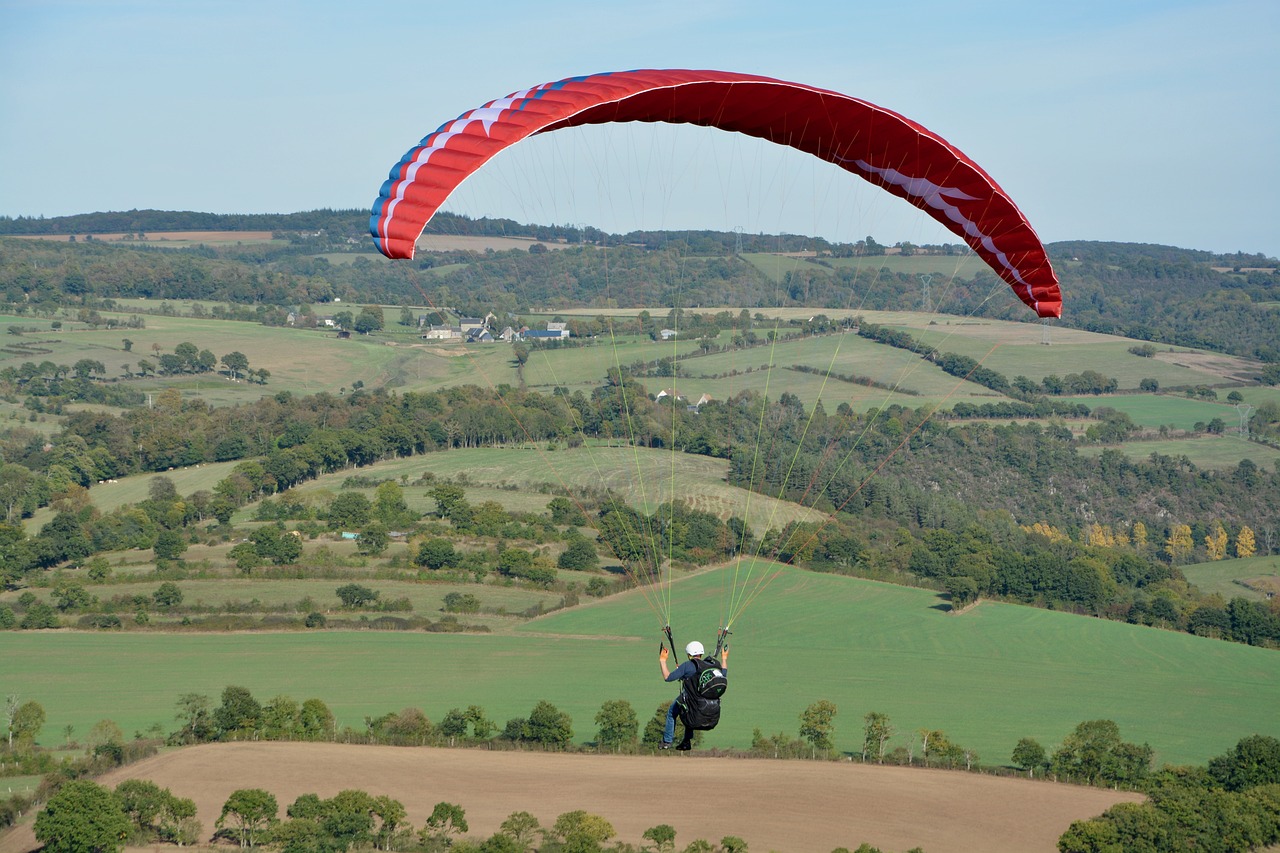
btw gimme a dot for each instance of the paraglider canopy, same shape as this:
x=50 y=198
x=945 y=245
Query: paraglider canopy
x=876 y=144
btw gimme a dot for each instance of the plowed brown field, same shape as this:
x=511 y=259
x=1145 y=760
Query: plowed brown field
x=774 y=805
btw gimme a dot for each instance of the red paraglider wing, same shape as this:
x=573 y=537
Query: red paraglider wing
x=879 y=145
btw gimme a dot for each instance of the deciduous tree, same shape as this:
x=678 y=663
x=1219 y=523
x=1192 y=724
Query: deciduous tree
x=354 y=595
x=663 y=837
x=817 y=724
x=521 y=827
x=1215 y=542
x=436 y=553
x=26 y=722
x=1179 y=544
x=83 y=817
x=170 y=545
x=446 y=820
x=250 y=812
x=579 y=556
x=548 y=725
x=580 y=830
x=876 y=734
x=1246 y=545
x=1028 y=754
x=616 y=724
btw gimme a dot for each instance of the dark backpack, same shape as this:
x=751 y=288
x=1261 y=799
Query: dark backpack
x=709 y=682
x=700 y=699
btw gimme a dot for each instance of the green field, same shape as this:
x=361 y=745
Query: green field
x=500 y=603
x=512 y=477
x=302 y=361
x=1224 y=576
x=987 y=677
x=644 y=478
x=1156 y=410
x=1018 y=351
x=945 y=266
x=1209 y=451
x=110 y=495
x=584 y=368
x=766 y=370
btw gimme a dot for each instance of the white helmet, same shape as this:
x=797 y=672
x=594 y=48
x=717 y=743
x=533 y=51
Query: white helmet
x=694 y=648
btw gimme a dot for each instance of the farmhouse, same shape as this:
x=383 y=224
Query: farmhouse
x=442 y=333
x=553 y=332
x=541 y=335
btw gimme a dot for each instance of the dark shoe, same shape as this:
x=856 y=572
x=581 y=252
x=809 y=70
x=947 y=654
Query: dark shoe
x=684 y=747
x=665 y=746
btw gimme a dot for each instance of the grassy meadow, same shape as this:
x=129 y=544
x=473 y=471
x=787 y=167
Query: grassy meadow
x=986 y=677
x=510 y=476
x=1207 y=451
x=775 y=266
x=501 y=603
x=1227 y=577
x=643 y=477
x=114 y=494
x=1157 y=410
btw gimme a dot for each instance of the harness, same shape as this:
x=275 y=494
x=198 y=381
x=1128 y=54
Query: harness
x=700 y=693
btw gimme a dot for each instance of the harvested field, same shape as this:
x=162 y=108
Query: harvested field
x=1228 y=368
x=773 y=805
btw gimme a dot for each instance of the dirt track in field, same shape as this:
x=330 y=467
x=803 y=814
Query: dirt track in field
x=774 y=805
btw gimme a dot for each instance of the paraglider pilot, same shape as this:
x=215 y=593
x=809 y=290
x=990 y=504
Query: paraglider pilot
x=703 y=681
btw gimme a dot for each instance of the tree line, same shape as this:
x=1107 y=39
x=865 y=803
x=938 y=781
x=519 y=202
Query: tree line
x=1232 y=803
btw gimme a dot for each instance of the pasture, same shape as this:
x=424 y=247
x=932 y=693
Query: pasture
x=584 y=368
x=775 y=266
x=644 y=478
x=514 y=477
x=921 y=383
x=501 y=602
x=1238 y=578
x=987 y=677
x=1156 y=410
x=110 y=495
x=1015 y=349
x=1209 y=451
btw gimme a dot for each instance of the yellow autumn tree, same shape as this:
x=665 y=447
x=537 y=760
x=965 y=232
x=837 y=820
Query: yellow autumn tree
x=1099 y=535
x=1048 y=531
x=1246 y=546
x=1180 y=543
x=1139 y=535
x=1215 y=542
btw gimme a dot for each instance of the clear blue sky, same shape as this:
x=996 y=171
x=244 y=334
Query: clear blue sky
x=1129 y=120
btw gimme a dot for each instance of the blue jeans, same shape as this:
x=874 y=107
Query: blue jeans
x=669 y=731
